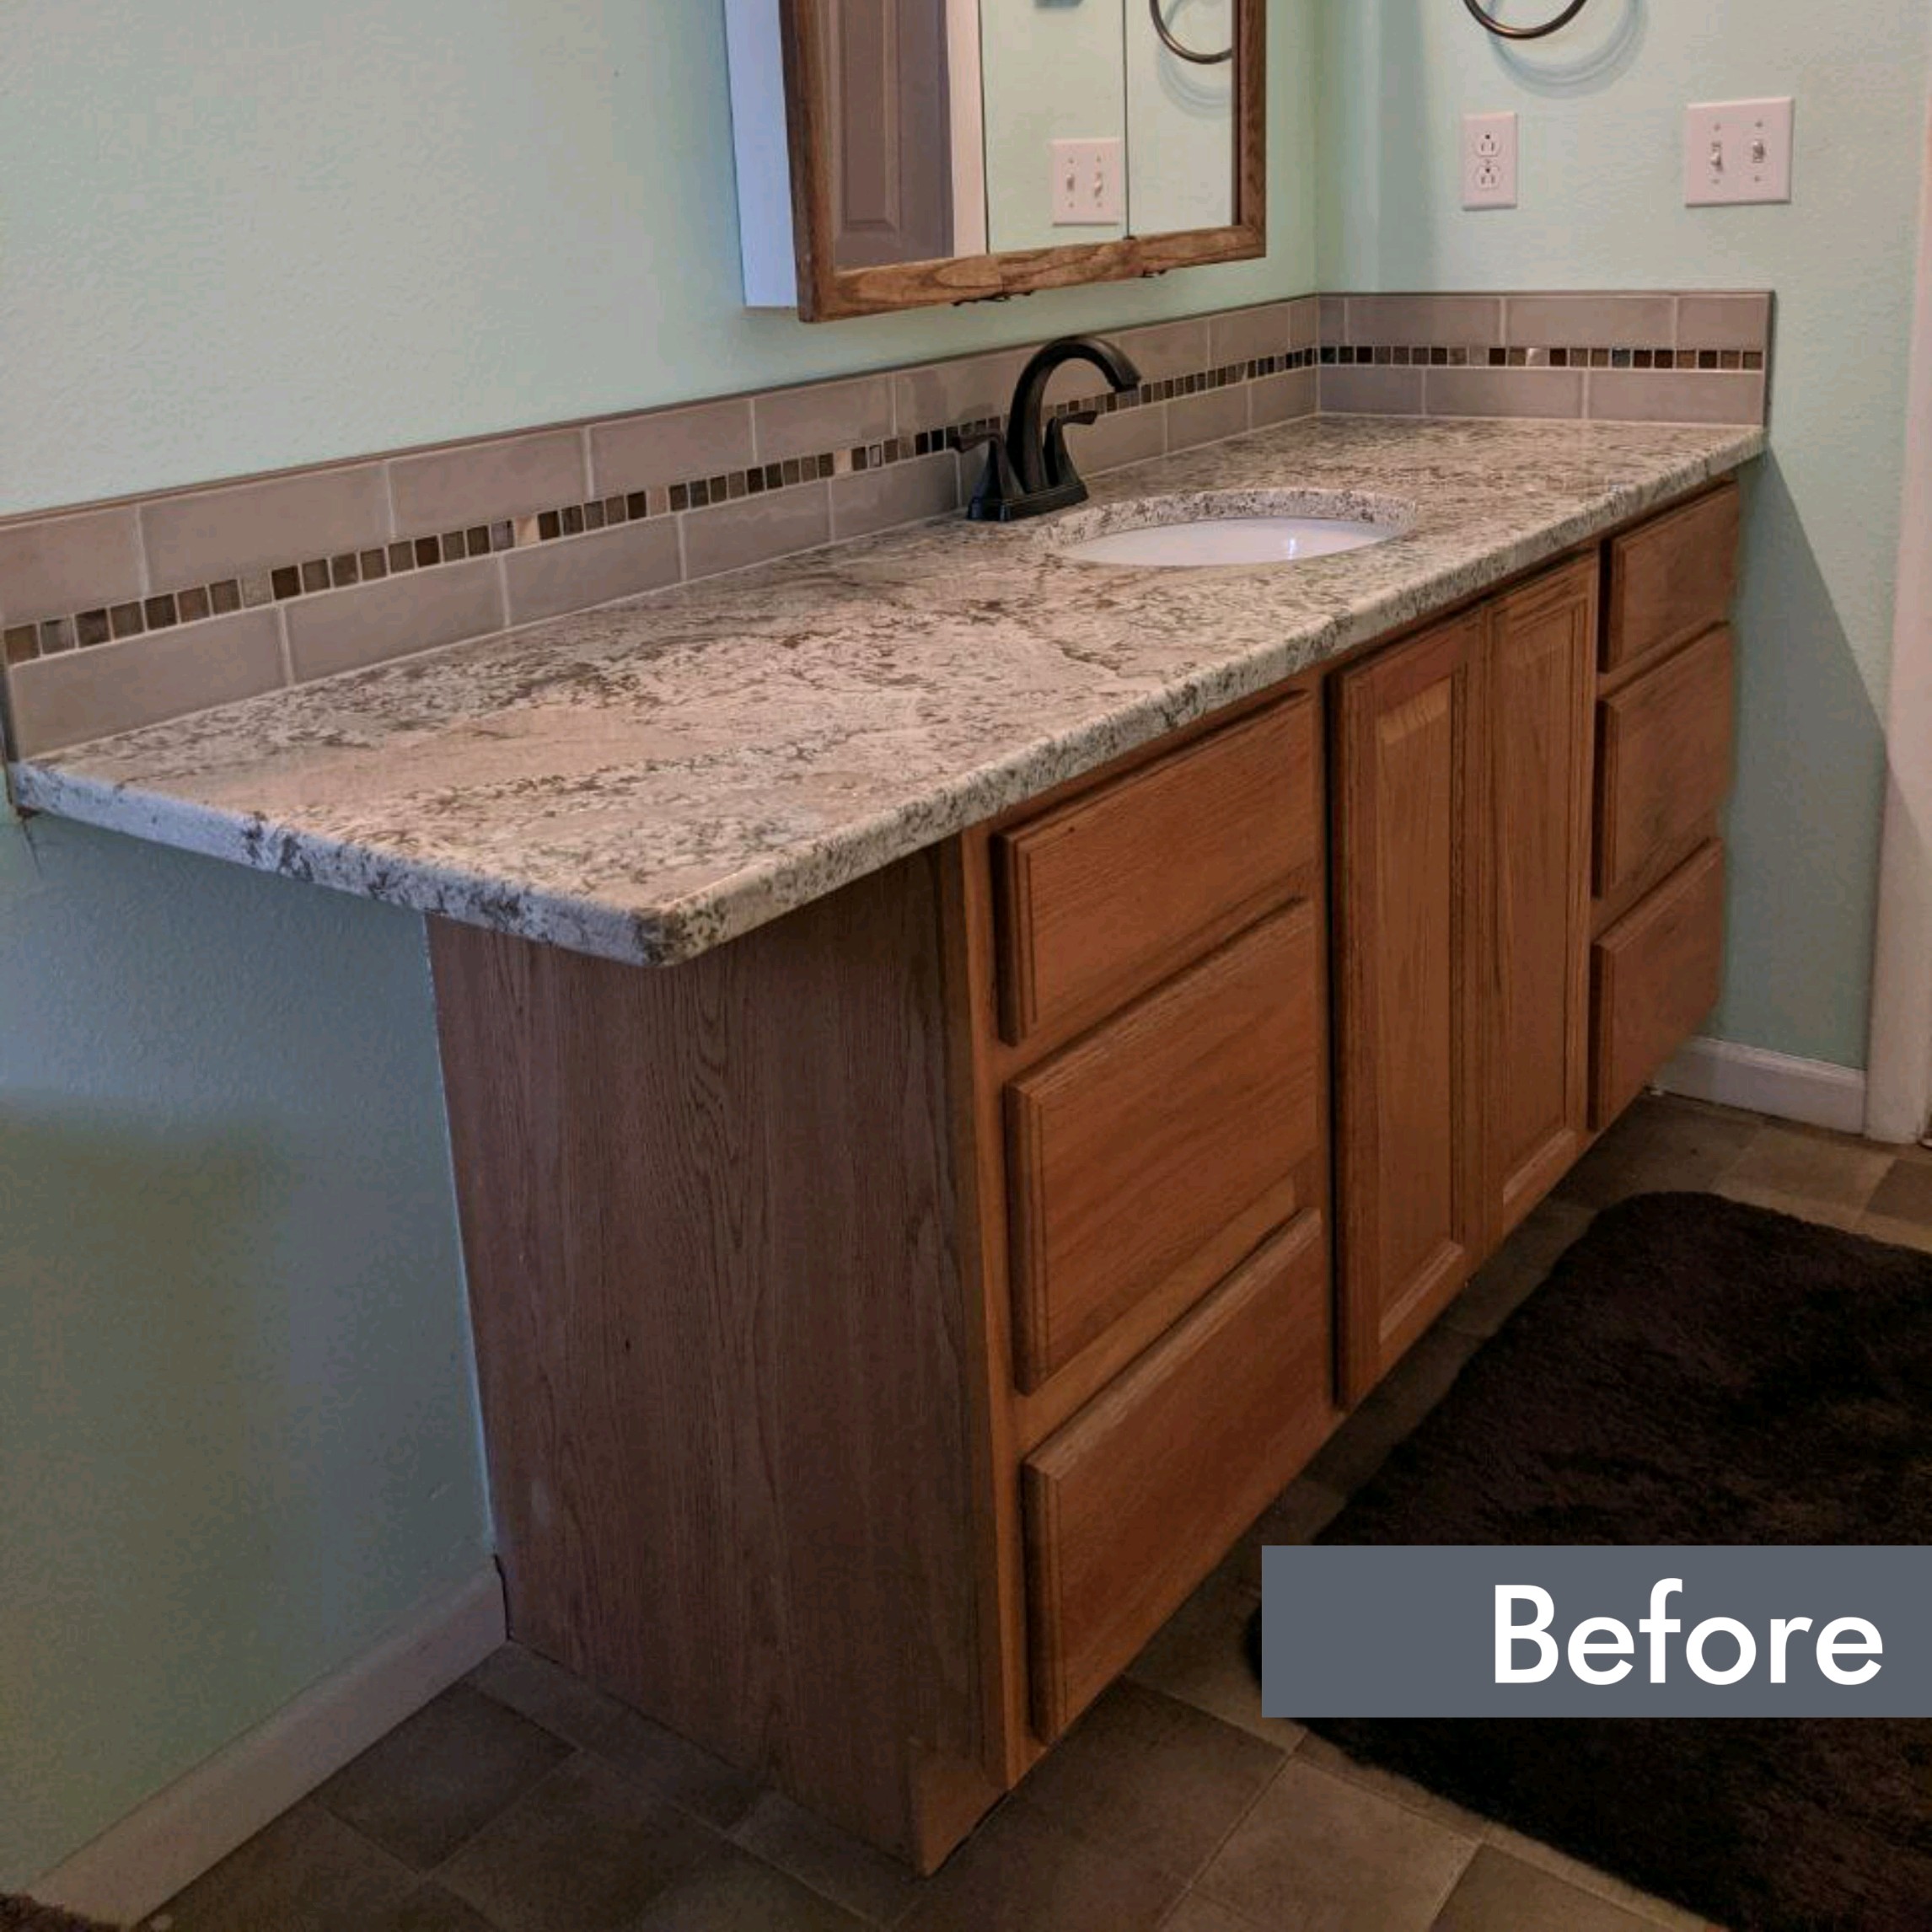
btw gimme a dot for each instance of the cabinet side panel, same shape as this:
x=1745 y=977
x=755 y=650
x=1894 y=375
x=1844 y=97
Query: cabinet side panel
x=710 y=1223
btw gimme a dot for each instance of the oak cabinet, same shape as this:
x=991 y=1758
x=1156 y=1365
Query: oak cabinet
x=1535 y=858
x=1408 y=825
x=885 y=1320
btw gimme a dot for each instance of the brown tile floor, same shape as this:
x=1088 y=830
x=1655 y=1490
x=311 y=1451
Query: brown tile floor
x=523 y=1801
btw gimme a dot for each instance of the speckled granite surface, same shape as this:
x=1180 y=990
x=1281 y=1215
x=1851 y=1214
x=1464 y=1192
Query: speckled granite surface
x=650 y=779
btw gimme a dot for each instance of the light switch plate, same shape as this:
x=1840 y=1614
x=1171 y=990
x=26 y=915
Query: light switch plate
x=1488 y=161
x=1737 y=150
x=1089 y=183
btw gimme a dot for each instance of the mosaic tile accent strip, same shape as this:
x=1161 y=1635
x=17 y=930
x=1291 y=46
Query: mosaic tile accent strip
x=283 y=584
x=1489 y=357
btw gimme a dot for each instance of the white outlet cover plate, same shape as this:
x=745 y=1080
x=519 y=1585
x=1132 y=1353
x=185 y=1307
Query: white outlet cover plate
x=1737 y=150
x=1488 y=161
x=1088 y=183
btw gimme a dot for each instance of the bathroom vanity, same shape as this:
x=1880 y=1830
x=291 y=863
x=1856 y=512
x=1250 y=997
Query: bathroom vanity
x=965 y=1065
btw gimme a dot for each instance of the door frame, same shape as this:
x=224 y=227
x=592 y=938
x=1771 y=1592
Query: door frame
x=1898 y=1088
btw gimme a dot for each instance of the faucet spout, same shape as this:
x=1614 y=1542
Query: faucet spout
x=1030 y=471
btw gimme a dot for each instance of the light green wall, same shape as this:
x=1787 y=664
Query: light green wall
x=241 y=234
x=1180 y=120
x=1050 y=70
x=237 y=1435
x=1602 y=189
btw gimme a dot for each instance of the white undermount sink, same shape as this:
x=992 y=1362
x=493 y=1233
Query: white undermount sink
x=1234 y=527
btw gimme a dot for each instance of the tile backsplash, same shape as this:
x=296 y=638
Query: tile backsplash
x=1657 y=358
x=122 y=615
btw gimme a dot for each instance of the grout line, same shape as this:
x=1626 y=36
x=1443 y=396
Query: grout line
x=389 y=503
x=287 y=652
x=591 y=482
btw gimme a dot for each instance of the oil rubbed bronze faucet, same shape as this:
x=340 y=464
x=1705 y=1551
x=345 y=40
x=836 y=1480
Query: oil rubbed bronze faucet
x=1029 y=470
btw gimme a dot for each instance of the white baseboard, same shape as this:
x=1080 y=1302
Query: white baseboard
x=1811 y=1091
x=172 y=1838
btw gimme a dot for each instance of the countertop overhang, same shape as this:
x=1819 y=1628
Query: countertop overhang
x=652 y=779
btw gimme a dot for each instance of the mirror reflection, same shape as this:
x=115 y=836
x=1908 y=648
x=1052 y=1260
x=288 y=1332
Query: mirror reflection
x=967 y=127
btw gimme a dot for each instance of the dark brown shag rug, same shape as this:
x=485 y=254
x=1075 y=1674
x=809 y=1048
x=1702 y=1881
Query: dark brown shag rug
x=23 y=1915
x=1694 y=1372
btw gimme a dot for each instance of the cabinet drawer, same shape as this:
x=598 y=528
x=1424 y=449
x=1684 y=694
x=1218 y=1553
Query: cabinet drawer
x=1665 y=758
x=1671 y=578
x=1128 y=1151
x=1658 y=973
x=1141 y=1493
x=1102 y=895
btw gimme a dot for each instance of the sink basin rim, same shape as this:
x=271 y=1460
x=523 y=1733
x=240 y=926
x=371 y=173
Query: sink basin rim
x=1356 y=510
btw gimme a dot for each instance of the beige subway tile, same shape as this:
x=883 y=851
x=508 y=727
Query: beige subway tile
x=1212 y=417
x=574 y=573
x=870 y=500
x=1467 y=320
x=1127 y=436
x=756 y=529
x=1360 y=389
x=1685 y=395
x=1283 y=398
x=1332 y=318
x=1305 y=322
x=84 y=694
x=967 y=388
x=1246 y=335
x=671 y=446
x=821 y=416
x=1165 y=349
x=1590 y=321
x=482 y=482
x=346 y=629
x=1505 y=392
x=207 y=534
x=51 y=566
x=1724 y=322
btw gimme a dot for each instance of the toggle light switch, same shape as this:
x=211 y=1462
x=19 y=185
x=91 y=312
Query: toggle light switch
x=1737 y=150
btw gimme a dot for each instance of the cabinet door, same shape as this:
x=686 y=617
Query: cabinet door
x=1538 y=689
x=1408 y=803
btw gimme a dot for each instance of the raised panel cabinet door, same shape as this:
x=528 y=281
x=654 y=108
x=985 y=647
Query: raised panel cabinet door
x=1408 y=805
x=1539 y=687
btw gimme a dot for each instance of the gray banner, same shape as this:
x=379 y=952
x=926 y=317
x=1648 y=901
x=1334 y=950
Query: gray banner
x=1469 y=1631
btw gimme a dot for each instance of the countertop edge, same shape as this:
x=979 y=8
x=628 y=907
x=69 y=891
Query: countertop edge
x=679 y=930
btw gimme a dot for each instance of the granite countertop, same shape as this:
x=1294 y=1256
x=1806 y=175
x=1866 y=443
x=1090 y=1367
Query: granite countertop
x=652 y=779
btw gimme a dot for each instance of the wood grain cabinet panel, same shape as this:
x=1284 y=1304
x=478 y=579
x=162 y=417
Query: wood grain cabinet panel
x=1671 y=579
x=1539 y=696
x=1659 y=971
x=1097 y=899
x=1130 y=1504
x=1407 y=905
x=1129 y=1151
x=1665 y=760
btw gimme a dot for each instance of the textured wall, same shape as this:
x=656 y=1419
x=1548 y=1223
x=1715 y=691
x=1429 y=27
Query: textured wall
x=1604 y=208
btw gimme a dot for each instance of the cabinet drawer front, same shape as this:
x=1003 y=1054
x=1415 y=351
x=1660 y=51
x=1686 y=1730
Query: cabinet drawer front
x=1671 y=578
x=1138 y=1497
x=1131 y=1150
x=1103 y=895
x=1658 y=973
x=1665 y=762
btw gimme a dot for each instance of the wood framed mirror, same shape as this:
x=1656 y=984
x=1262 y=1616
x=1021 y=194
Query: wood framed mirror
x=952 y=151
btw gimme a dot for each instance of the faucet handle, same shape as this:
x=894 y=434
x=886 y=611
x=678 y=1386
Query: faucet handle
x=998 y=485
x=1059 y=468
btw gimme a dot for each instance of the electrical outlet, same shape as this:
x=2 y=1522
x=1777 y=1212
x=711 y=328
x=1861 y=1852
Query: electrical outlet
x=1737 y=150
x=1488 y=161
x=1088 y=183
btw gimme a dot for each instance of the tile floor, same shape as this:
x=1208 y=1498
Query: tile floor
x=522 y=1801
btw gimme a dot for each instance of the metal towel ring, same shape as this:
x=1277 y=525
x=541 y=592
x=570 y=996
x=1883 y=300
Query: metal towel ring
x=1508 y=33
x=1187 y=53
